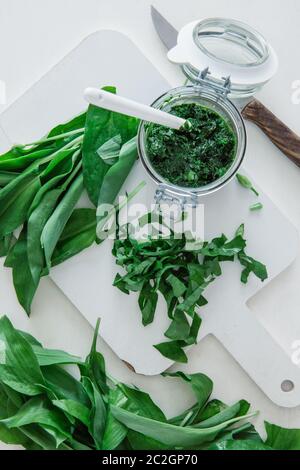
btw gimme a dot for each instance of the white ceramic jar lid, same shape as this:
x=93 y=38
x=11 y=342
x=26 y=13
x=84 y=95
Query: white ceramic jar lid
x=228 y=48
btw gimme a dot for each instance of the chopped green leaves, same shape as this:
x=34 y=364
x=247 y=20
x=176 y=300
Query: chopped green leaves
x=172 y=350
x=252 y=266
x=196 y=155
x=147 y=303
x=246 y=183
x=166 y=266
x=256 y=207
x=179 y=328
x=177 y=285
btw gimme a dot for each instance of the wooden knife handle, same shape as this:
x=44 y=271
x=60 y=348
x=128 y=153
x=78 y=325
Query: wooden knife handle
x=285 y=139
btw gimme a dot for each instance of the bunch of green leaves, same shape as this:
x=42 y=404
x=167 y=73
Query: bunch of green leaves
x=180 y=270
x=46 y=184
x=41 y=184
x=44 y=407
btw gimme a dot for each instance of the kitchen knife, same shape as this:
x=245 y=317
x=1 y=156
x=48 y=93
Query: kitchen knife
x=252 y=110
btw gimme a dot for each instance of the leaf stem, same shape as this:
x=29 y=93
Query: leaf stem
x=186 y=419
x=54 y=138
x=68 y=146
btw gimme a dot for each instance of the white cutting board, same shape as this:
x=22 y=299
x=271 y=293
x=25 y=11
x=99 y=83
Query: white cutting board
x=110 y=58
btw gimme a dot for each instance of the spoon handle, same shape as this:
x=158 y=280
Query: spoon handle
x=283 y=137
x=122 y=105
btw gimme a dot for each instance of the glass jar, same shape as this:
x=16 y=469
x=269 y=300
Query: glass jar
x=219 y=104
x=228 y=48
x=221 y=58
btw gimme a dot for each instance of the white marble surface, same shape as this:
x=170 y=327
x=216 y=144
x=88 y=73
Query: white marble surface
x=36 y=34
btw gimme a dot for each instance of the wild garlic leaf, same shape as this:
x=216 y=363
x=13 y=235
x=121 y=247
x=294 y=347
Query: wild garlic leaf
x=100 y=126
x=74 y=409
x=39 y=437
x=197 y=413
x=12 y=436
x=201 y=385
x=114 y=433
x=98 y=417
x=49 y=357
x=19 y=368
x=78 y=235
x=212 y=408
x=174 y=436
x=139 y=441
x=39 y=411
x=5 y=244
x=118 y=172
x=36 y=224
x=75 y=124
x=6 y=177
x=59 y=218
x=239 y=409
x=18 y=205
x=138 y=402
x=94 y=366
x=281 y=438
x=63 y=385
x=23 y=162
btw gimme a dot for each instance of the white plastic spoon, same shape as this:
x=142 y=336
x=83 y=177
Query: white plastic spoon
x=122 y=105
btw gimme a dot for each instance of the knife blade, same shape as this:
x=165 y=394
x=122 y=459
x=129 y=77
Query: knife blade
x=251 y=109
x=167 y=33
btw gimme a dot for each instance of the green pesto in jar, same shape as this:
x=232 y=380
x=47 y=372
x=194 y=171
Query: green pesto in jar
x=195 y=155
